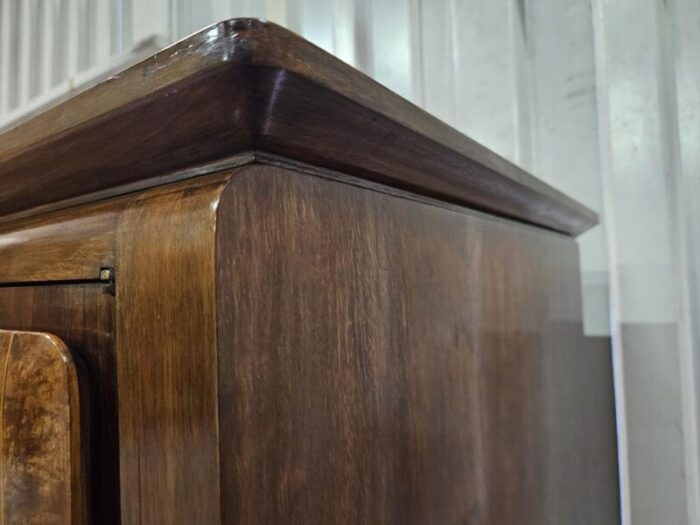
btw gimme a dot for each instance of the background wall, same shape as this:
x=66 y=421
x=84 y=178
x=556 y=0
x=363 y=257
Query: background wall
x=599 y=98
x=648 y=68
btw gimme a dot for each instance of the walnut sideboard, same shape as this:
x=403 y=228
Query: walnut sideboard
x=243 y=283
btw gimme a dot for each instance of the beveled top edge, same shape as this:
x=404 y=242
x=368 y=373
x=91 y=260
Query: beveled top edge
x=241 y=45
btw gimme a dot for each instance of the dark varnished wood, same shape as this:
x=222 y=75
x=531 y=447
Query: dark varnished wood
x=70 y=245
x=41 y=465
x=300 y=346
x=167 y=359
x=385 y=360
x=248 y=87
x=277 y=364
x=307 y=316
x=82 y=316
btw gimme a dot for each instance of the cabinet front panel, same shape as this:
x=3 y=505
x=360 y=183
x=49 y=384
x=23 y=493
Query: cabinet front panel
x=81 y=316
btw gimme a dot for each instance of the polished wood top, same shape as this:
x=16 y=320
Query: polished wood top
x=245 y=90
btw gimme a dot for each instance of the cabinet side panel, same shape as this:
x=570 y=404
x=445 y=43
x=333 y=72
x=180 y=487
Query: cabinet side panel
x=166 y=357
x=385 y=360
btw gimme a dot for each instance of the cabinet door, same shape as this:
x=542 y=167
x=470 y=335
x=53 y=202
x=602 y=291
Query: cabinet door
x=41 y=471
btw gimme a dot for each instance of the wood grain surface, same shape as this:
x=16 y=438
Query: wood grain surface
x=322 y=306
x=297 y=345
x=390 y=360
x=68 y=245
x=41 y=468
x=246 y=88
x=82 y=316
x=167 y=357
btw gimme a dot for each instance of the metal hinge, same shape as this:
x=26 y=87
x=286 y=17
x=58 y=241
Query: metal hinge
x=107 y=276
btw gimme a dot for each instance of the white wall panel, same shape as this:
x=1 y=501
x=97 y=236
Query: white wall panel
x=24 y=52
x=685 y=28
x=565 y=135
x=314 y=20
x=478 y=45
x=645 y=70
x=43 y=66
x=395 y=61
x=72 y=37
x=143 y=19
x=6 y=37
x=437 y=30
x=345 y=30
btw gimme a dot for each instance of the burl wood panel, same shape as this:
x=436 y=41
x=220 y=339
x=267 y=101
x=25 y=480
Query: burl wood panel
x=82 y=316
x=390 y=360
x=41 y=468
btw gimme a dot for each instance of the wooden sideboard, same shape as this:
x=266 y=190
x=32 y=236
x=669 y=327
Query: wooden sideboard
x=243 y=283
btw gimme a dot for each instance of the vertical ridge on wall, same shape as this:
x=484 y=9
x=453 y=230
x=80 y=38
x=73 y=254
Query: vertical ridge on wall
x=685 y=18
x=644 y=53
x=437 y=59
x=44 y=68
x=522 y=64
x=24 y=51
x=345 y=16
x=9 y=52
x=678 y=197
x=72 y=38
x=102 y=28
